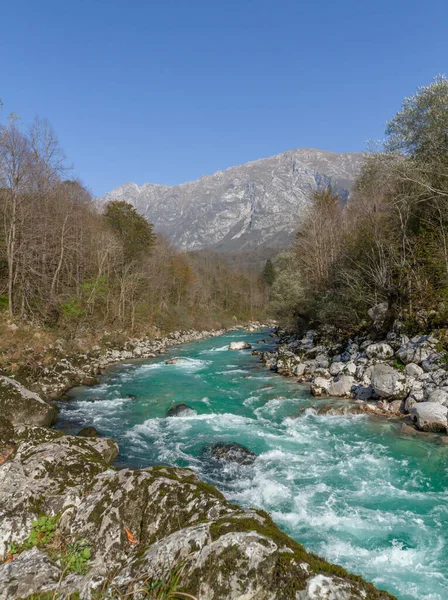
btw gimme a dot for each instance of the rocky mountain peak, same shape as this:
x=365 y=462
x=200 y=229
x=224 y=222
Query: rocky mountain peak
x=253 y=205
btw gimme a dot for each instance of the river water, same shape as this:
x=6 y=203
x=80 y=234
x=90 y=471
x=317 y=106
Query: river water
x=350 y=488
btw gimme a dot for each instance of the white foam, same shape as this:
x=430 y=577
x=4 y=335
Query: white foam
x=220 y=349
x=232 y=372
x=251 y=400
x=191 y=364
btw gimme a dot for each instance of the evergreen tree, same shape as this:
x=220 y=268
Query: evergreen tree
x=133 y=230
x=268 y=275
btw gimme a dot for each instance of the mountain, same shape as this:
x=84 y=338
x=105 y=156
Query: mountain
x=256 y=204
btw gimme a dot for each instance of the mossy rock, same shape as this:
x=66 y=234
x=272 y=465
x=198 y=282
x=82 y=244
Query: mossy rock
x=6 y=431
x=88 y=432
x=21 y=406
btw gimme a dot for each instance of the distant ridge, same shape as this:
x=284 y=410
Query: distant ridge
x=256 y=204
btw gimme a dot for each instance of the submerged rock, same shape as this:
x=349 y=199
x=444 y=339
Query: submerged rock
x=239 y=346
x=88 y=431
x=181 y=410
x=233 y=452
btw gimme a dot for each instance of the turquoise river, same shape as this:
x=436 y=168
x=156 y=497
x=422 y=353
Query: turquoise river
x=351 y=488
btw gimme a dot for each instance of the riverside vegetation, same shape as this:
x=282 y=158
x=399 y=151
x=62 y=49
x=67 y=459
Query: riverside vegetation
x=365 y=285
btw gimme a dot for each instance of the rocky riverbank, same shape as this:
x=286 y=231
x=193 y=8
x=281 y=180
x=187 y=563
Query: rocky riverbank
x=398 y=376
x=71 y=526
x=48 y=375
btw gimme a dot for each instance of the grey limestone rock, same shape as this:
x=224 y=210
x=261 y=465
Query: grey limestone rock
x=244 y=206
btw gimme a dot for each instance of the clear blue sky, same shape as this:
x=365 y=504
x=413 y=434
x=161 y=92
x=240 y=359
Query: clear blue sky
x=168 y=90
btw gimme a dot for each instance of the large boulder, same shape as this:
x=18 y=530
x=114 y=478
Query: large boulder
x=438 y=396
x=233 y=453
x=389 y=383
x=45 y=465
x=417 y=350
x=21 y=406
x=299 y=370
x=320 y=385
x=239 y=346
x=430 y=416
x=342 y=387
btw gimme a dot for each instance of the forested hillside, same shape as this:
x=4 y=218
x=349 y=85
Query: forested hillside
x=387 y=246
x=65 y=265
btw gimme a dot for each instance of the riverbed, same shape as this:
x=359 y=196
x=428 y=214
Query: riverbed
x=350 y=488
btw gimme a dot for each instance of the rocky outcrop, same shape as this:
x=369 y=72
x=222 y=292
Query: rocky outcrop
x=20 y=405
x=70 y=524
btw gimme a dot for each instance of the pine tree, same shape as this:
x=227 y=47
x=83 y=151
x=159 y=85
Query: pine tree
x=268 y=275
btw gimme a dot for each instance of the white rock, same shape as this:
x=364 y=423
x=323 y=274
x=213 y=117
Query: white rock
x=413 y=370
x=378 y=312
x=389 y=383
x=350 y=368
x=381 y=351
x=239 y=346
x=299 y=370
x=320 y=372
x=336 y=368
x=438 y=396
x=322 y=361
x=320 y=386
x=322 y=587
x=341 y=388
x=413 y=353
x=430 y=416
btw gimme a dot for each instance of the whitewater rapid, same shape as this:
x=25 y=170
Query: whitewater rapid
x=350 y=488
